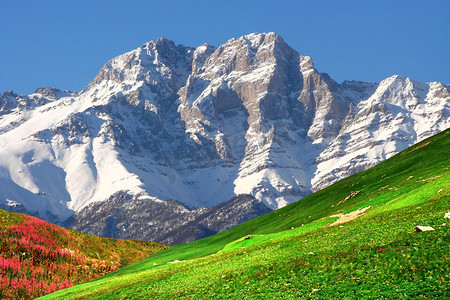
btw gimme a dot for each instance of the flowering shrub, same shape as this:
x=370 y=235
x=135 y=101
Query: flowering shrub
x=38 y=258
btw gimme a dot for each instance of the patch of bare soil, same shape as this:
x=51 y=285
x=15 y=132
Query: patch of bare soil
x=344 y=218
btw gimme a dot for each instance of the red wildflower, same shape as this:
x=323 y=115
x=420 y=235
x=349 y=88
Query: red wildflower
x=381 y=250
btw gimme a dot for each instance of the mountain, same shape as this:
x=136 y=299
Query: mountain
x=38 y=258
x=122 y=216
x=357 y=238
x=200 y=126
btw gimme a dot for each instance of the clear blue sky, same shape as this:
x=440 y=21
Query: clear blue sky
x=64 y=43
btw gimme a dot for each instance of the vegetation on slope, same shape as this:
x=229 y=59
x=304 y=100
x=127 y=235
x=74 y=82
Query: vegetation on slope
x=37 y=258
x=355 y=238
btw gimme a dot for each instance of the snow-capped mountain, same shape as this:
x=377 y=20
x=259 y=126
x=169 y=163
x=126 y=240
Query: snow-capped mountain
x=200 y=126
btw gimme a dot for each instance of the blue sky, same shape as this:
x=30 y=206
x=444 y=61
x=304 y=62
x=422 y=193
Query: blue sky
x=65 y=43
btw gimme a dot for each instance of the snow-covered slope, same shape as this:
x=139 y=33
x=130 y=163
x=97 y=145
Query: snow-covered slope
x=399 y=113
x=201 y=125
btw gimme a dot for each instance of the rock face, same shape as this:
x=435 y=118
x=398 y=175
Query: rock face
x=200 y=126
x=424 y=228
x=127 y=216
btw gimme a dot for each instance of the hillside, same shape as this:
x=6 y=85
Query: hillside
x=37 y=258
x=355 y=238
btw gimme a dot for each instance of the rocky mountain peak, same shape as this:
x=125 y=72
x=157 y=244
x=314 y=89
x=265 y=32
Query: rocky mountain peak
x=10 y=100
x=400 y=91
x=164 y=42
x=9 y=93
x=306 y=64
x=169 y=53
x=153 y=59
x=53 y=93
x=256 y=40
x=249 y=52
x=200 y=55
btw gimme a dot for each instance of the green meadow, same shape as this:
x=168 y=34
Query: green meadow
x=353 y=239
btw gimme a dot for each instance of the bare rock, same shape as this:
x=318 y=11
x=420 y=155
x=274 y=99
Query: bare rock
x=424 y=228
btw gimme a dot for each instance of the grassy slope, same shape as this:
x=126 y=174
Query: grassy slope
x=377 y=254
x=37 y=258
